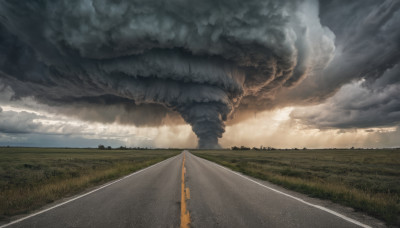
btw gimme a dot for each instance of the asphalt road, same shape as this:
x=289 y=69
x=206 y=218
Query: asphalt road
x=205 y=194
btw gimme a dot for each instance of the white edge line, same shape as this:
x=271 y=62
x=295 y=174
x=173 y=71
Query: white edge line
x=88 y=193
x=295 y=198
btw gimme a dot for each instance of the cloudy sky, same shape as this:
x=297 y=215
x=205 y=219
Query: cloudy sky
x=200 y=73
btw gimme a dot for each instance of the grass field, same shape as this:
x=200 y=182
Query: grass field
x=33 y=177
x=367 y=180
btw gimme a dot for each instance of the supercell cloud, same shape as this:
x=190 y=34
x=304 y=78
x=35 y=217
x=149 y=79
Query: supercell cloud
x=150 y=63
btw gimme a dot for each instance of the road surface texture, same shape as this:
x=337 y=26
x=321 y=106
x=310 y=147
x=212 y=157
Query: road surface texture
x=187 y=191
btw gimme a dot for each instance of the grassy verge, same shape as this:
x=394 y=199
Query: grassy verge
x=33 y=177
x=367 y=180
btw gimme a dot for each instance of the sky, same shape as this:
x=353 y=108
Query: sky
x=208 y=74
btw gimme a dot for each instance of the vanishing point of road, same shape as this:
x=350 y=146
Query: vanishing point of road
x=187 y=191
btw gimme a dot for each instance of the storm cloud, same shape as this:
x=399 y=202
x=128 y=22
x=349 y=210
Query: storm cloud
x=18 y=122
x=149 y=63
x=362 y=104
x=363 y=77
x=367 y=45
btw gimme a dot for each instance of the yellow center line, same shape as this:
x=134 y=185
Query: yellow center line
x=185 y=217
x=187 y=193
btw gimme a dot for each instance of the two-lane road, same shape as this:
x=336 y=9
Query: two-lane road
x=210 y=195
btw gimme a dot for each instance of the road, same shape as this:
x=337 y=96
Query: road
x=186 y=191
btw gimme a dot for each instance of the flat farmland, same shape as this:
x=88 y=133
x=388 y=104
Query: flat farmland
x=33 y=177
x=367 y=180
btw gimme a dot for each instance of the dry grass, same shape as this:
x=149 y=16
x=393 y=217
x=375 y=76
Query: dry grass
x=33 y=177
x=367 y=180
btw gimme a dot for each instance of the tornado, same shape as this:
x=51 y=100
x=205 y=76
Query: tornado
x=200 y=61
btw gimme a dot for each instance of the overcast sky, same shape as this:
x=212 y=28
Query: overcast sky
x=200 y=74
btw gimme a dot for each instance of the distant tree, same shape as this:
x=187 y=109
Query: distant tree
x=101 y=147
x=304 y=148
x=352 y=148
x=244 y=148
x=109 y=148
x=235 y=148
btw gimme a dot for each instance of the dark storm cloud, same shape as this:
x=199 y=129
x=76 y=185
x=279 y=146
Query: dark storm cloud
x=367 y=41
x=148 y=62
x=198 y=59
x=112 y=109
x=372 y=103
x=368 y=56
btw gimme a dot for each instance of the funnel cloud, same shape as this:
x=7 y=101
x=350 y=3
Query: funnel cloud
x=161 y=62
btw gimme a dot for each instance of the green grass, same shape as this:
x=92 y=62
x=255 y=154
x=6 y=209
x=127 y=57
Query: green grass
x=367 y=180
x=33 y=177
